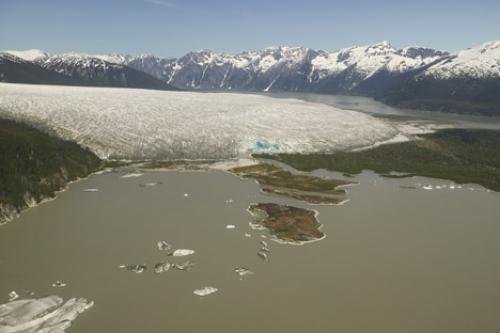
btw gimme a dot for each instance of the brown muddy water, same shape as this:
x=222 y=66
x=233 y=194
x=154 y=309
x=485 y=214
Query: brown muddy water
x=394 y=259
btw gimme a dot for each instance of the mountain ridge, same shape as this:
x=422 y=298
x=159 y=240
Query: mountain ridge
x=467 y=81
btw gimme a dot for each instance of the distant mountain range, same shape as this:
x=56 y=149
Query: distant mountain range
x=467 y=81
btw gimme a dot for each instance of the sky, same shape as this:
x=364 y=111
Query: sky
x=171 y=28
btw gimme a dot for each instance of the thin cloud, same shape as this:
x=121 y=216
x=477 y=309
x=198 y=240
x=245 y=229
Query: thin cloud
x=160 y=3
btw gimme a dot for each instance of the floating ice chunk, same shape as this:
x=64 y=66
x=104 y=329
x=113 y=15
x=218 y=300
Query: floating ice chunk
x=230 y=226
x=256 y=226
x=132 y=174
x=48 y=314
x=91 y=190
x=427 y=187
x=186 y=195
x=164 y=246
x=150 y=184
x=58 y=284
x=162 y=267
x=263 y=236
x=229 y=201
x=242 y=271
x=185 y=266
x=138 y=269
x=247 y=235
x=205 y=291
x=264 y=255
x=182 y=252
x=13 y=295
x=264 y=243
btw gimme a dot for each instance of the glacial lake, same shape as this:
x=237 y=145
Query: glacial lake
x=394 y=259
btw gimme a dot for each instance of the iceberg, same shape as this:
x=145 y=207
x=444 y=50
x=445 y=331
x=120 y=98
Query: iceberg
x=47 y=314
x=185 y=266
x=132 y=175
x=242 y=271
x=162 y=267
x=164 y=246
x=264 y=255
x=150 y=184
x=182 y=252
x=205 y=291
x=138 y=269
x=230 y=226
x=59 y=284
x=13 y=295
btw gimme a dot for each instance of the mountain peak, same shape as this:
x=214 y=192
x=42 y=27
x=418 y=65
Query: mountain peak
x=29 y=55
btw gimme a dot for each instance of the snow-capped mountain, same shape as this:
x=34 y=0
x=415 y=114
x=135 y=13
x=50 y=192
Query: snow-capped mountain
x=29 y=55
x=482 y=61
x=284 y=68
x=73 y=69
x=411 y=77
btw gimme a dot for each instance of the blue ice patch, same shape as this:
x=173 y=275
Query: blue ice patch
x=263 y=145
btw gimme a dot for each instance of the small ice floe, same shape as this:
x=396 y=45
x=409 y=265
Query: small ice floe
x=13 y=296
x=138 y=269
x=263 y=236
x=264 y=255
x=186 y=195
x=58 y=284
x=91 y=190
x=185 y=266
x=182 y=252
x=229 y=201
x=247 y=235
x=242 y=271
x=264 y=243
x=150 y=184
x=427 y=187
x=164 y=246
x=132 y=174
x=162 y=267
x=230 y=226
x=205 y=291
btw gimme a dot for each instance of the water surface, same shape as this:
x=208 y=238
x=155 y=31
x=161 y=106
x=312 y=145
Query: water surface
x=394 y=260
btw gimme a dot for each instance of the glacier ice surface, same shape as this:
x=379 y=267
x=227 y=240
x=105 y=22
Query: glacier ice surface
x=147 y=124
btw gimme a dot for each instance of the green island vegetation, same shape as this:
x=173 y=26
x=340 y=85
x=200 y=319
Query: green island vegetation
x=460 y=155
x=34 y=165
x=287 y=223
x=311 y=189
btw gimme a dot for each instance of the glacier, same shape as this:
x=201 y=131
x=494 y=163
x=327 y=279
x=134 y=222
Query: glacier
x=138 y=124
